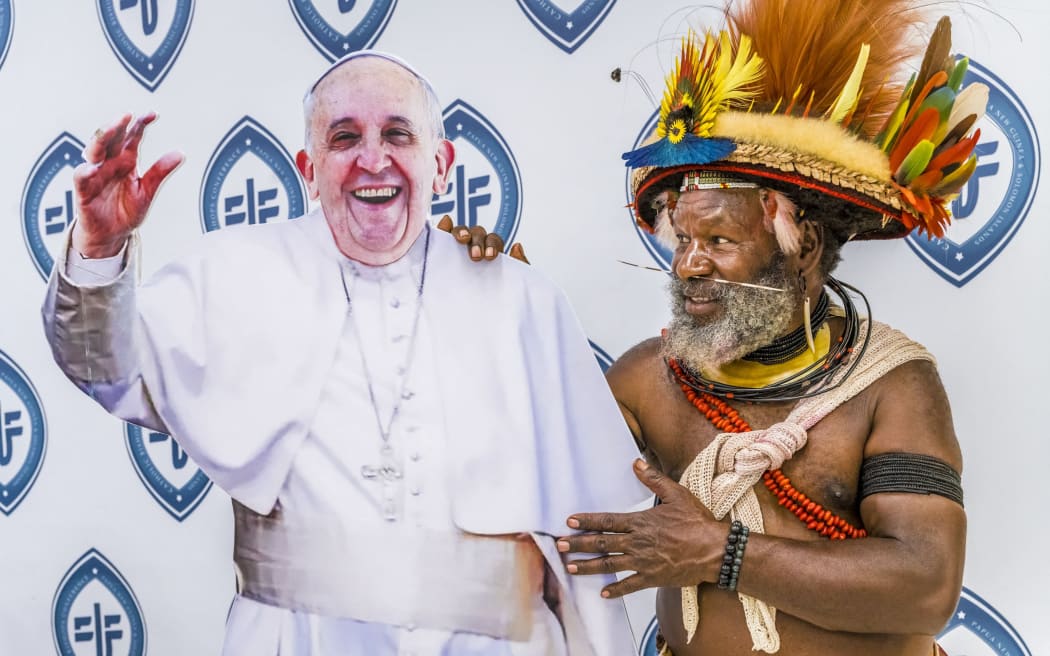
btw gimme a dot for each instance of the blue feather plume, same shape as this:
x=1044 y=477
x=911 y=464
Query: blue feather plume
x=690 y=150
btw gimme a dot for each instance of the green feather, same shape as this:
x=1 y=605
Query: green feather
x=915 y=163
x=886 y=137
x=942 y=100
x=955 y=78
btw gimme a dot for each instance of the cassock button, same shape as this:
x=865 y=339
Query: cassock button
x=415 y=491
x=395 y=303
x=416 y=456
x=407 y=395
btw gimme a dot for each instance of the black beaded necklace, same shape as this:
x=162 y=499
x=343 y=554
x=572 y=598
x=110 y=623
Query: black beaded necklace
x=794 y=343
x=808 y=382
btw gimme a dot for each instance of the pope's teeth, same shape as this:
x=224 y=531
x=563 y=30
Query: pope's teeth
x=375 y=193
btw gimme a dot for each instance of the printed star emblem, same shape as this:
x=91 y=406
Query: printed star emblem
x=959 y=257
x=459 y=127
x=569 y=25
x=961 y=615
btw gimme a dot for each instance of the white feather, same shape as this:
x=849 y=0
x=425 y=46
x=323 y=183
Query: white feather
x=662 y=228
x=971 y=100
x=784 y=226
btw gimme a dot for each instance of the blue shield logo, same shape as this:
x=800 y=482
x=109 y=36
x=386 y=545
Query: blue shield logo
x=996 y=200
x=660 y=254
x=977 y=629
x=604 y=359
x=173 y=480
x=566 y=28
x=47 y=200
x=95 y=613
x=250 y=179
x=337 y=28
x=146 y=35
x=648 y=646
x=484 y=185
x=23 y=435
x=7 y=27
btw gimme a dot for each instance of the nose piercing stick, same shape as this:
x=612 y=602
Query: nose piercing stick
x=719 y=280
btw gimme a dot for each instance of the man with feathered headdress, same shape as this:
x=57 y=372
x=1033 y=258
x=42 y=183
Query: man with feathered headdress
x=817 y=464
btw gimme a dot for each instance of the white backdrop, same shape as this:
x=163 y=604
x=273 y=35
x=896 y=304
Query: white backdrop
x=112 y=543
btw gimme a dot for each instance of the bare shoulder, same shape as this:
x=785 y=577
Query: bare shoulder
x=632 y=371
x=911 y=413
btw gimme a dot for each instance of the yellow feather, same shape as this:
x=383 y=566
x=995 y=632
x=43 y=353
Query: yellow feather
x=728 y=79
x=668 y=99
x=747 y=70
x=847 y=99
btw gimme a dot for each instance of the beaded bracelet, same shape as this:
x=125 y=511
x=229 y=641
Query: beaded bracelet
x=736 y=543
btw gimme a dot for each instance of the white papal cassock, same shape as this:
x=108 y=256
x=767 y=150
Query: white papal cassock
x=256 y=355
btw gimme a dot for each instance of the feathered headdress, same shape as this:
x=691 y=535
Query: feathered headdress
x=809 y=100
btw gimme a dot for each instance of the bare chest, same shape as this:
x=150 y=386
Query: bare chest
x=826 y=469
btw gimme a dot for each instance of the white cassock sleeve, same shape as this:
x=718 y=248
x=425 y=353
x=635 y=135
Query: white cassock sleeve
x=191 y=351
x=83 y=320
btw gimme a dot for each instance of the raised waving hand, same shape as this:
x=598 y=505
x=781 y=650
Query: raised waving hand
x=112 y=198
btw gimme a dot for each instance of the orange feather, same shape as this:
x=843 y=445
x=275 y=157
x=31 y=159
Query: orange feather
x=922 y=128
x=939 y=79
x=956 y=154
x=927 y=180
x=802 y=42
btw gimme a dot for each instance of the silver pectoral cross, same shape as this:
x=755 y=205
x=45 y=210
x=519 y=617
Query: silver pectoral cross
x=388 y=475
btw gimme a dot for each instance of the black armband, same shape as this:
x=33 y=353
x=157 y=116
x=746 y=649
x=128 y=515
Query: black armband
x=909 y=472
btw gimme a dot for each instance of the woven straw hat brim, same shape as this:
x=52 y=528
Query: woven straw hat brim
x=786 y=158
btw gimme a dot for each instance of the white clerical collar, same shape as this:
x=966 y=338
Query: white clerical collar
x=316 y=225
x=411 y=263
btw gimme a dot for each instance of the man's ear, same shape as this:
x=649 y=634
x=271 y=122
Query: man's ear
x=811 y=246
x=445 y=156
x=306 y=169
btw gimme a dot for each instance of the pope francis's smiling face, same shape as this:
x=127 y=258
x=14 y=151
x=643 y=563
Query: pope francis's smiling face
x=373 y=158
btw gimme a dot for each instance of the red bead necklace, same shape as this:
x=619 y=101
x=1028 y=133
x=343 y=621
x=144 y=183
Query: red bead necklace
x=815 y=516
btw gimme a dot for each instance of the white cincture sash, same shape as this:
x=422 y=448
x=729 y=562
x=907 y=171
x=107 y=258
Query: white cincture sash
x=397 y=575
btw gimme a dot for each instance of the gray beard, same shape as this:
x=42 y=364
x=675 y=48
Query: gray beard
x=750 y=319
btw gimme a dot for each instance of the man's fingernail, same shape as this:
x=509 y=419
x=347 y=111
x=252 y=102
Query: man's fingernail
x=475 y=251
x=563 y=545
x=462 y=232
x=605 y=594
x=643 y=465
x=573 y=522
x=490 y=252
x=572 y=568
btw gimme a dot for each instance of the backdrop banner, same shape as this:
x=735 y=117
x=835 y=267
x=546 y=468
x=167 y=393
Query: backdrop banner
x=112 y=541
